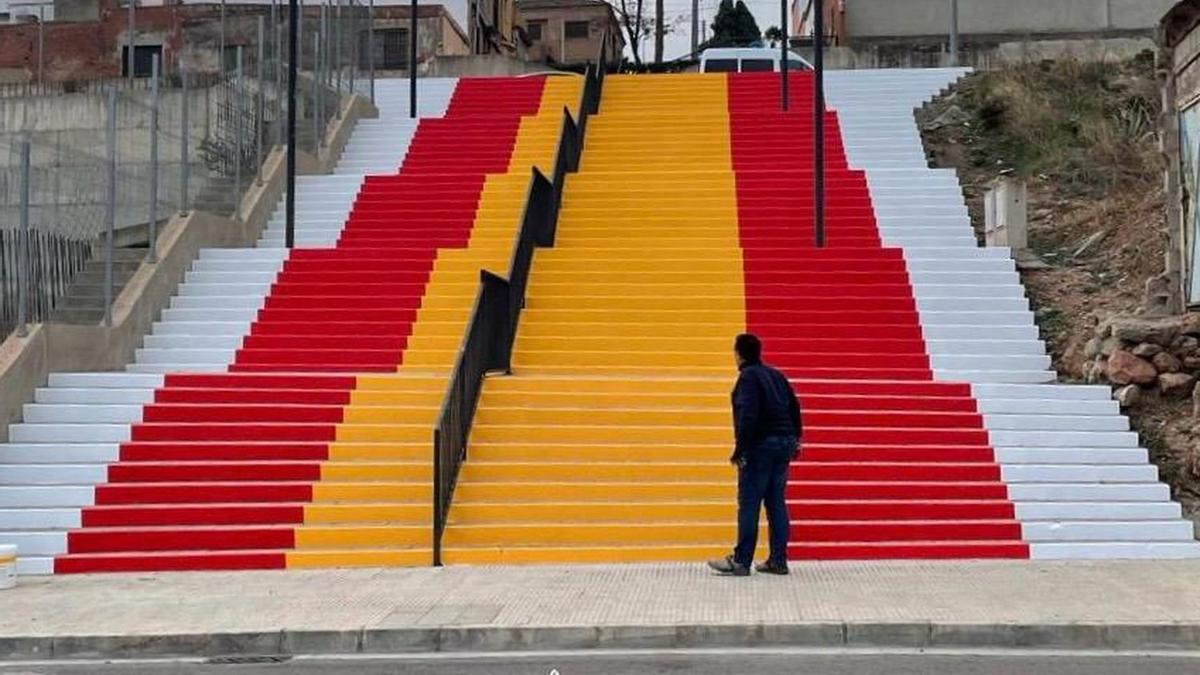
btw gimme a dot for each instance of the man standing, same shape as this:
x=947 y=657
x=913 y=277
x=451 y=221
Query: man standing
x=766 y=422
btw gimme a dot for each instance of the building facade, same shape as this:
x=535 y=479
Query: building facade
x=570 y=32
x=89 y=39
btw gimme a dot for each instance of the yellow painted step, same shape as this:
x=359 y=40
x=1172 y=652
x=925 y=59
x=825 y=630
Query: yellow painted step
x=400 y=383
x=582 y=434
x=587 y=472
x=728 y=301
x=645 y=344
x=371 y=452
x=576 y=512
x=581 y=359
x=587 y=416
x=363 y=536
x=593 y=555
x=512 y=492
x=313 y=559
x=620 y=370
x=372 y=492
x=646 y=316
x=594 y=452
x=382 y=433
x=647 y=385
x=328 y=514
x=358 y=413
x=581 y=534
x=360 y=472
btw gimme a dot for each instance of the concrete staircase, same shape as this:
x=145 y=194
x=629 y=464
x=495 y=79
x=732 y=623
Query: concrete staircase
x=934 y=429
x=242 y=436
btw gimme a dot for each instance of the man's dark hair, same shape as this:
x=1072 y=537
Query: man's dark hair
x=749 y=347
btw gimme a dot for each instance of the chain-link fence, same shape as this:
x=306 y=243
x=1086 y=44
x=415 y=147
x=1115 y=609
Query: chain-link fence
x=89 y=167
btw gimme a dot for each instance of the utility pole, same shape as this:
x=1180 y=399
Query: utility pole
x=412 y=61
x=660 y=30
x=783 y=56
x=819 y=120
x=954 y=32
x=695 y=26
x=290 y=201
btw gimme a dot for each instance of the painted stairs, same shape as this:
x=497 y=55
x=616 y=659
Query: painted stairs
x=280 y=413
x=933 y=429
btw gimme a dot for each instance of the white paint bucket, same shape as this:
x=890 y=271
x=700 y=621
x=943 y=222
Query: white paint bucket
x=8 y=566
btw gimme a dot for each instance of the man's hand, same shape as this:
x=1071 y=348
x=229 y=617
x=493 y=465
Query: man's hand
x=796 y=452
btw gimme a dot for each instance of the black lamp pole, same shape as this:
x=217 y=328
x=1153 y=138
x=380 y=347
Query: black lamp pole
x=783 y=63
x=412 y=61
x=290 y=201
x=819 y=119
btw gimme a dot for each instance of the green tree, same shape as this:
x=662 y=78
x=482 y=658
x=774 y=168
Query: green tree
x=773 y=35
x=734 y=26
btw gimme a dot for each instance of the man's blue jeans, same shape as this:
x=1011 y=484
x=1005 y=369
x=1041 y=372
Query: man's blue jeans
x=764 y=479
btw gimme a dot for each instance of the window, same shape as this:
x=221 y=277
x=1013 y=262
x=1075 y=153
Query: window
x=720 y=66
x=534 y=30
x=391 y=48
x=576 y=30
x=143 y=60
x=757 y=65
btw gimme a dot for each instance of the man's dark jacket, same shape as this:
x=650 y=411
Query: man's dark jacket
x=764 y=405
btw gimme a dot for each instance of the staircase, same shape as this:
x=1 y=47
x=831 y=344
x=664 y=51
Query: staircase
x=932 y=426
x=281 y=412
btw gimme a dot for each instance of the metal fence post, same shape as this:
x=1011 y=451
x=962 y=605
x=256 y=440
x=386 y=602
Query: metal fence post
x=110 y=206
x=41 y=47
x=154 y=103
x=238 y=110
x=318 y=85
x=371 y=45
x=260 y=111
x=279 y=79
x=954 y=32
x=783 y=64
x=184 y=133
x=23 y=245
x=412 y=60
x=351 y=61
x=221 y=56
x=289 y=204
x=338 y=36
x=129 y=39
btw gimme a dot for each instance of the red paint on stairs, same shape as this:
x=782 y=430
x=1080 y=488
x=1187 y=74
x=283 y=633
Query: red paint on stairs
x=895 y=465
x=217 y=474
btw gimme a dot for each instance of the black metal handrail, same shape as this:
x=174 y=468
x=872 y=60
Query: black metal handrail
x=492 y=329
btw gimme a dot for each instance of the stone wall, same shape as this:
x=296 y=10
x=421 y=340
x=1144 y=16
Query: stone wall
x=1137 y=354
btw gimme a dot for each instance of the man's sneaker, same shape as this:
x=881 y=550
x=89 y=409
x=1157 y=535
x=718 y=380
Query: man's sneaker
x=728 y=567
x=772 y=568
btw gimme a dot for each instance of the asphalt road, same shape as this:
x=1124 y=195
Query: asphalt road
x=723 y=662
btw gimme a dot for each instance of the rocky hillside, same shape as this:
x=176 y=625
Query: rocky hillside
x=1083 y=136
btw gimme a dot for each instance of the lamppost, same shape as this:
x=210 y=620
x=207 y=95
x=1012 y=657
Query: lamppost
x=819 y=120
x=290 y=201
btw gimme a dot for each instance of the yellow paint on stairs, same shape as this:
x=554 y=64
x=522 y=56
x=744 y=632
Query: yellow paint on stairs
x=589 y=453
x=372 y=506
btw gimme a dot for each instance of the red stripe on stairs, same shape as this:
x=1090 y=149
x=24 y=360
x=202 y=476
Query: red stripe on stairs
x=896 y=465
x=217 y=473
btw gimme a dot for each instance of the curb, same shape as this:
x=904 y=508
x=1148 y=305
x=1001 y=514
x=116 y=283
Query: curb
x=466 y=639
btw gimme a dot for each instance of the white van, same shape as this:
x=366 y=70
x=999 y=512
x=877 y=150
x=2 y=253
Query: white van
x=747 y=60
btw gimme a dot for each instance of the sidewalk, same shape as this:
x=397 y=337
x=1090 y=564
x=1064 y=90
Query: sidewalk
x=1078 y=605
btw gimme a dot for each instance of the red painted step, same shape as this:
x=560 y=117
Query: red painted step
x=147 y=515
x=913 y=477
x=899 y=510
x=915 y=550
x=165 y=451
x=202 y=538
x=147 y=561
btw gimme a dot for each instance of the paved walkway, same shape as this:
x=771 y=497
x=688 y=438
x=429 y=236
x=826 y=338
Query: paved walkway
x=977 y=604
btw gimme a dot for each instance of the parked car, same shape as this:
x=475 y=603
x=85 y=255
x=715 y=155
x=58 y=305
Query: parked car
x=747 y=60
